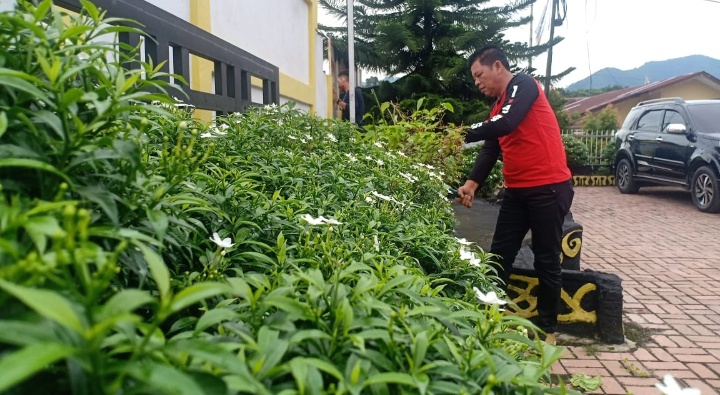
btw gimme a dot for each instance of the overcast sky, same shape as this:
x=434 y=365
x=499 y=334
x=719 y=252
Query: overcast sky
x=624 y=33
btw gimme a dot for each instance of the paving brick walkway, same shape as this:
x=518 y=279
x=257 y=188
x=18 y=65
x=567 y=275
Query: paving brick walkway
x=668 y=256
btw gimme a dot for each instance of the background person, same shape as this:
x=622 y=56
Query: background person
x=344 y=101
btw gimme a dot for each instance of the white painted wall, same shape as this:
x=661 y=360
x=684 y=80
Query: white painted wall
x=179 y=8
x=321 y=99
x=7 y=5
x=273 y=30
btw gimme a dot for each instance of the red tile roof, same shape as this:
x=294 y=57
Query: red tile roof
x=600 y=101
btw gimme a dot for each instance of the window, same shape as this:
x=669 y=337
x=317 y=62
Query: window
x=650 y=121
x=672 y=117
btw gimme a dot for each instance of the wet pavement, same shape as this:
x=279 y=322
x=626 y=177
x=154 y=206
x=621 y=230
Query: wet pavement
x=668 y=256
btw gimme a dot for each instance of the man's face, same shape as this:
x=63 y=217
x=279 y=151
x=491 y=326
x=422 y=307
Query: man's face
x=343 y=84
x=487 y=78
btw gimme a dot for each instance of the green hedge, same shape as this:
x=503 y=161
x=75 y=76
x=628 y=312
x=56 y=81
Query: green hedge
x=270 y=253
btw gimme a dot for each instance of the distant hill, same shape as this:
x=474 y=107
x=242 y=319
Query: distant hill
x=652 y=71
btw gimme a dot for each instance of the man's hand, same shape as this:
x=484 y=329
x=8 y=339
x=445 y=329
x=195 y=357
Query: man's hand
x=342 y=104
x=467 y=192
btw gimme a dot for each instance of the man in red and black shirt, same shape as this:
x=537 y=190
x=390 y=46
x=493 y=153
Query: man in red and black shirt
x=523 y=127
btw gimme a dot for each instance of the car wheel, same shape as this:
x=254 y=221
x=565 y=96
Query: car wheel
x=705 y=190
x=624 y=177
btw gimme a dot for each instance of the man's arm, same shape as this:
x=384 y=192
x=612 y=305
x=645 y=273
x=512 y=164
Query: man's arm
x=485 y=161
x=519 y=98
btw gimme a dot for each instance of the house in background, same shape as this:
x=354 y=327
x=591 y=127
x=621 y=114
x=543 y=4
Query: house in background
x=700 y=85
x=280 y=32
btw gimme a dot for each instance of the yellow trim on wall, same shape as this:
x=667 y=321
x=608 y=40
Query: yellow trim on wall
x=297 y=90
x=331 y=108
x=312 y=28
x=202 y=69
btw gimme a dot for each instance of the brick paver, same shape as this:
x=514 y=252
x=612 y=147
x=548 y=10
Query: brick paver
x=668 y=256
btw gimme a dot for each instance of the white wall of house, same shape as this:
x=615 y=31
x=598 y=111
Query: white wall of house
x=179 y=8
x=275 y=31
x=321 y=89
x=7 y=5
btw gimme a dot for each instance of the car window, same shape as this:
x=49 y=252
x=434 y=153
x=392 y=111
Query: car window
x=649 y=121
x=705 y=117
x=672 y=116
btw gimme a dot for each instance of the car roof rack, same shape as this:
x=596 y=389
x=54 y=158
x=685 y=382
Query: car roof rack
x=677 y=100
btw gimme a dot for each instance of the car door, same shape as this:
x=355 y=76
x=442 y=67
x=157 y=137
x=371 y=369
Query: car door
x=673 y=150
x=642 y=140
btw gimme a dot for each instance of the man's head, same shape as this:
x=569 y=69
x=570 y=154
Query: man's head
x=490 y=69
x=343 y=81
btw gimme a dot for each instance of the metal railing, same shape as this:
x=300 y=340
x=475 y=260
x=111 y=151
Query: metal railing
x=172 y=40
x=596 y=141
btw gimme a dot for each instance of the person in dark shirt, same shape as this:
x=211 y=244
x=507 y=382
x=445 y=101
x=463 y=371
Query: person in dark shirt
x=344 y=101
x=523 y=127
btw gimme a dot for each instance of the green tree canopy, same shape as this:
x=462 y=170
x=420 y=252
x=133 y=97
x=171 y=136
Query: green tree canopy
x=431 y=38
x=428 y=41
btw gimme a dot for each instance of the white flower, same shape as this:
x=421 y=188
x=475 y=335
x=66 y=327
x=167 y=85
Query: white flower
x=401 y=154
x=381 y=196
x=409 y=177
x=308 y=137
x=330 y=221
x=312 y=221
x=376 y=243
x=332 y=137
x=463 y=241
x=369 y=199
x=351 y=157
x=671 y=387
x=280 y=122
x=378 y=144
x=303 y=140
x=469 y=256
x=224 y=243
x=368 y=158
x=489 y=298
x=380 y=162
x=207 y=135
x=320 y=220
x=291 y=137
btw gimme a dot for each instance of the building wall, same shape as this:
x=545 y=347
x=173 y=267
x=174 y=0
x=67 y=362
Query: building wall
x=691 y=90
x=688 y=90
x=282 y=32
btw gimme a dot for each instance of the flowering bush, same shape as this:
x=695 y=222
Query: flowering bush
x=269 y=253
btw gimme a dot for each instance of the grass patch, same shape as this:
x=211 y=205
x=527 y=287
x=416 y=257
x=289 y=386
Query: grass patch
x=638 y=334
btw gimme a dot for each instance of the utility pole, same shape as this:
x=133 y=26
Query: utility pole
x=532 y=17
x=351 y=60
x=550 y=51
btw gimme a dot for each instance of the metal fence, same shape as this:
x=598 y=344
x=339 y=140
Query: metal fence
x=596 y=141
x=172 y=40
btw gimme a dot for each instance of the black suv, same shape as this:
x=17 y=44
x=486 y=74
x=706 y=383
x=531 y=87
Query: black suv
x=671 y=142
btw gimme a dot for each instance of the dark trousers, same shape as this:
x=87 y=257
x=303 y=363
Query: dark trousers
x=541 y=210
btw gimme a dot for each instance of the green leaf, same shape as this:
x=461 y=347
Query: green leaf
x=325 y=366
x=103 y=198
x=387 y=378
x=291 y=306
x=40 y=228
x=448 y=106
x=159 y=221
x=10 y=78
x=41 y=10
x=299 y=370
x=419 y=349
x=196 y=293
x=123 y=302
x=158 y=269
x=214 y=317
x=34 y=164
x=3 y=123
x=164 y=379
x=420 y=103
x=49 y=304
x=18 y=366
x=25 y=333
